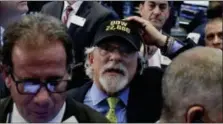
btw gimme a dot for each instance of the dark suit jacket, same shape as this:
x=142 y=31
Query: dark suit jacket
x=83 y=113
x=93 y=12
x=4 y=92
x=145 y=97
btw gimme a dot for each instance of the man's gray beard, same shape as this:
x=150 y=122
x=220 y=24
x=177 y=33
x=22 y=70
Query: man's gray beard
x=113 y=84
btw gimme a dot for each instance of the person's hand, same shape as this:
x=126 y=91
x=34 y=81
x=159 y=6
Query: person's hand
x=150 y=34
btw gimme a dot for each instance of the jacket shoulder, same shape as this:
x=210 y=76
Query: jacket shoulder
x=49 y=6
x=79 y=93
x=102 y=11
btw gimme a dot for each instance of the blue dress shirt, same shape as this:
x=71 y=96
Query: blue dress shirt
x=96 y=99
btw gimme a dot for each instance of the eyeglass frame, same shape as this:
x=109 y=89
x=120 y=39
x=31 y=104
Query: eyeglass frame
x=42 y=83
x=123 y=51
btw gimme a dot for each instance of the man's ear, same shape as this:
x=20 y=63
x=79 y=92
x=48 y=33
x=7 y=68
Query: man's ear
x=91 y=58
x=6 y=76
x=141 y=5
x=7 y=82
x=168 y=13
x=195 y=114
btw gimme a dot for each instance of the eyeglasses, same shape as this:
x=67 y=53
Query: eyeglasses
x=32 y=86
x=108 y=48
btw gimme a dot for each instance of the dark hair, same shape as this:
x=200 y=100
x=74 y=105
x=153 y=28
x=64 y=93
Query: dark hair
x=29 y=30
x=170 y=3
x=215 y=12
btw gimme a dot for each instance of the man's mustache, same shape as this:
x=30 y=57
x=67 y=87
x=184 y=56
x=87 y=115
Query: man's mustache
x=159 y=18
x=111 y=67
x=115 y=70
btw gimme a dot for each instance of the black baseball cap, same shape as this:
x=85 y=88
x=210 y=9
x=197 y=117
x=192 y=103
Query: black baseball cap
x=127 y=30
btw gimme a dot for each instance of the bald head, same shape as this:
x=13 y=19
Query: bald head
x=192 y=84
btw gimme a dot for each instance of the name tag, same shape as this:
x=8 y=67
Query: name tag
x=77 y=20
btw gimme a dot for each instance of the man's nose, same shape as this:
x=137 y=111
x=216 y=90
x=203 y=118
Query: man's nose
x=116 y=55
x=42 y=98
x=217 y=40
x=156 y=10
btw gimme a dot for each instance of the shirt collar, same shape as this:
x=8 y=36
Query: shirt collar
x=124 y=95
x=97 y=95
x=17 y=118
x=75 y=6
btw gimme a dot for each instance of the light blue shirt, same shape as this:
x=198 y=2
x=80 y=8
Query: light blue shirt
x=96 y=99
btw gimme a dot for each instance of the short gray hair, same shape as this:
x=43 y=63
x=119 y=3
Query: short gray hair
x=194 y=77
x=88 y=68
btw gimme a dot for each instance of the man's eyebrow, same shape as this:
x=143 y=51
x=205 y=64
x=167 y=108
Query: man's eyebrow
x=151 y=2
x=163 y=4
x=59 y=77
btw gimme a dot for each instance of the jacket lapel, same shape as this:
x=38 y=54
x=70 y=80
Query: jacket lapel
x=6 y=105
x=73 y=109
x=83 y=12
x=69 y=111
x=79 y=93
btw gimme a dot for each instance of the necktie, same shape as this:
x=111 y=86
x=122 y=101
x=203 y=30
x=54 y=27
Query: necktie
x=112 y=102
x=66 y=16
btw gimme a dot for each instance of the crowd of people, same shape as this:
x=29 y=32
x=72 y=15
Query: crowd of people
x=79 y=62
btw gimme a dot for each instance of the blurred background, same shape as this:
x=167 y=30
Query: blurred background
x=184 y=18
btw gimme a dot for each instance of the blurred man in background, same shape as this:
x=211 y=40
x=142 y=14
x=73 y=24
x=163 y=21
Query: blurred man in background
x=156 y=12
x=10 y=11
x=214 y=11
x=214 y=33
x=90 y=14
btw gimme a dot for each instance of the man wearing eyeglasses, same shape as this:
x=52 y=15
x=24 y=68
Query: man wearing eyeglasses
x=37 y=60
x=121 y=89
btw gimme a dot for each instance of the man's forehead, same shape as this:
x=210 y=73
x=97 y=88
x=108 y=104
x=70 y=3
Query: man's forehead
x=216 y=25
x=158 y=2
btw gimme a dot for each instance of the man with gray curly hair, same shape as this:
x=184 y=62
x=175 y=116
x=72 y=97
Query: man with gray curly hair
x=192 y=87
x=121 y=88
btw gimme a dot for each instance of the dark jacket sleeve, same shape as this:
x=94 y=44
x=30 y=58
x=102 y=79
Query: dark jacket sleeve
x=187 y=44
x=4 y=92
